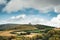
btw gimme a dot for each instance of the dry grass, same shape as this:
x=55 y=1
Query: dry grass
x=32 y=35
x=6 y=33
x=56 y=28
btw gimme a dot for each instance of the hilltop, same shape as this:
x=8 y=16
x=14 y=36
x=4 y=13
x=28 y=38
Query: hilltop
x=22 y=27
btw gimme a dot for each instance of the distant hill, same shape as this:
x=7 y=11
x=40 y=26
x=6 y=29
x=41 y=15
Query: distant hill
x=22 y=27
x=43 y=26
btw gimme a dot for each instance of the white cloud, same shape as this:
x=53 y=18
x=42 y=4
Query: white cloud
x=3 y=1
x=18 y=17
x=13 y=19
x=24 y=19
x=43 y=5
x=55 y=21
x=57 y=9
x=15 y=5
x=37 y=20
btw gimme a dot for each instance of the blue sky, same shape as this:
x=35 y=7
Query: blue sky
x=46 y=12
x=29 y=11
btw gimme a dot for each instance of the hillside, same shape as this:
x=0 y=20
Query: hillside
x=22 y=26
x=25 y=32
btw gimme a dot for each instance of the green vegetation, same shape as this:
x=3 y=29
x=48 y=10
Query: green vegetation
x=50 y=35
x=22 y=27
x=6 y=38
x=31 y=32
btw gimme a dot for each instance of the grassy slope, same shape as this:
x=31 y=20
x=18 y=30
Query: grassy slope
x=22 y=27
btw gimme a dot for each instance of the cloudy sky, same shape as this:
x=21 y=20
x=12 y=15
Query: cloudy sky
x=46 y=12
